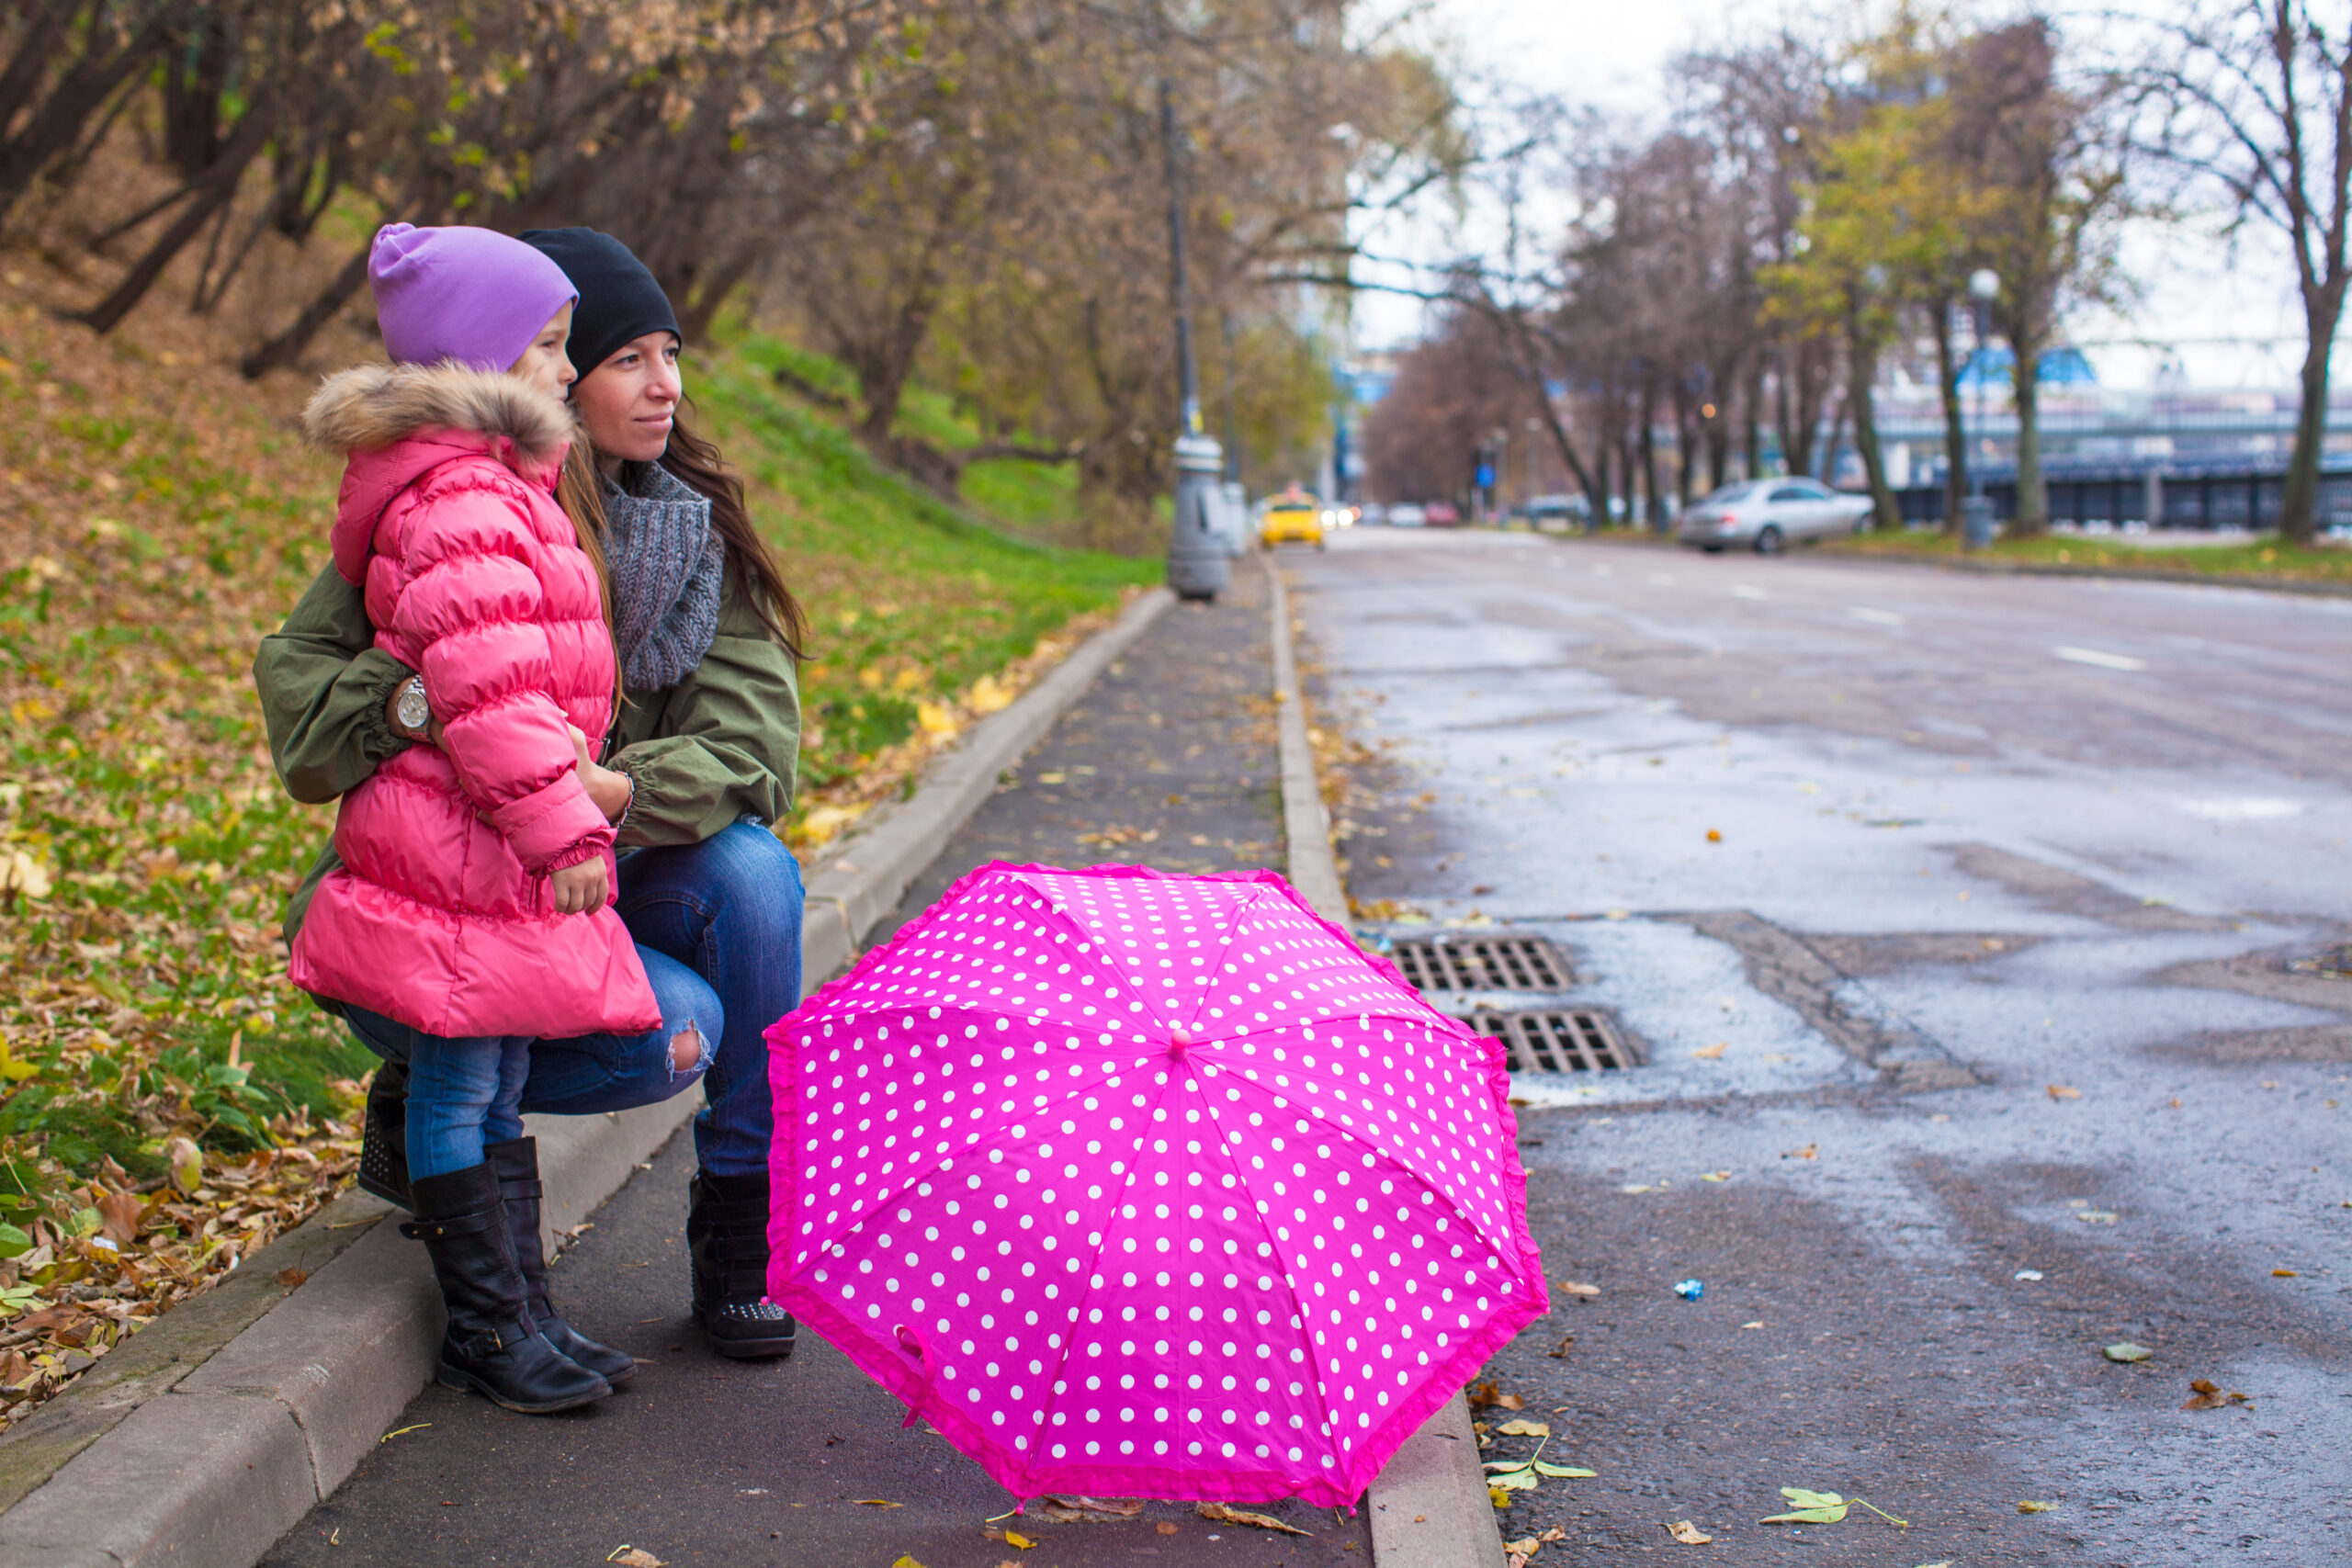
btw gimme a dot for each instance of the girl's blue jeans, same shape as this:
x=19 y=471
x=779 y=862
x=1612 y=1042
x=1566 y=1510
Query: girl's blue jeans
x=718 y=924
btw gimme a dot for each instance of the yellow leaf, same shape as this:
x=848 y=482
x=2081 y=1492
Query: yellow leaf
x=1015 y=1538
x=876 y=1502
x=2060 y=1091
x=1688 y=1533
x=1524 y=1429
x=1577 y=1287
x=908 y=680
x=870 y=678
x=1219 y=1512
x=1498 y=1497
x=2031 y=1507
x=1712 y=1053
x=634 y=1557
x=906 y=1562
x=987 y=696
x=823 y=823
x=935 y=720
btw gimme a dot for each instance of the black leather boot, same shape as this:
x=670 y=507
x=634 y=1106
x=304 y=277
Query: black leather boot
x=726 y=1236
x=516 y=1161
x=383 y=1138
x=490 y=1344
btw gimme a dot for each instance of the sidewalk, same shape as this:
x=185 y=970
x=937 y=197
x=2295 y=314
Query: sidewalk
x=1169 y=760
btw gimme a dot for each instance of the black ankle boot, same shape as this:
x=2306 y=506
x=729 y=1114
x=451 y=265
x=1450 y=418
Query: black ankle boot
x=489 y=1344
x=516 y=1162
x=726 y=1235
x=383 y=1139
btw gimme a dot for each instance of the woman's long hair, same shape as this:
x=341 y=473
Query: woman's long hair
x=695 y=463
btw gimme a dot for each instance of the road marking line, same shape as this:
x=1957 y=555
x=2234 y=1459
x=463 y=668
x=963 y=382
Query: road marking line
x=1875 y=617
x=2103 y=661
x=1745 y=591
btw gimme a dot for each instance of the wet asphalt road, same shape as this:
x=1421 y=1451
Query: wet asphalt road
x=1953 y=917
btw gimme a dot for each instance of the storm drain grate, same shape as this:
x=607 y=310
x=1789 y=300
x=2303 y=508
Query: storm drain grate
x=1582 y=1041
x=1481 y=963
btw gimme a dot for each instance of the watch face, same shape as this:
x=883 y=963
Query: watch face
x=415 y=712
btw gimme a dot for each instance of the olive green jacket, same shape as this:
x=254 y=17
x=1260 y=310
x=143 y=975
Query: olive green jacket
x=718 y=747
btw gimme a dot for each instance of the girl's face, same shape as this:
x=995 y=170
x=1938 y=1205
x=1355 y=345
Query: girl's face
x=627 y=401
x=543 y=364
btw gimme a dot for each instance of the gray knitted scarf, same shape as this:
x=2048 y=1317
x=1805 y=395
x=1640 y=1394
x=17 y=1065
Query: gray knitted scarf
x=667 y=564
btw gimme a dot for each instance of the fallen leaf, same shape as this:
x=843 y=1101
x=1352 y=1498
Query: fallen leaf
x=1714 y=1175
x=2030 y=1508
x=2206 y=1395
x=403 y=1431
x=1495 y=1495
x=1637 y=1187
x=293 y=1278
x=1688 y=1533
x=906 y=1561
x=2097 y=1216
x=1712 y=1053
x=119 y=1214
x=1224 y=1515
x=876 y=1502
x=1165 y=1528
x=1525 y=1429
x=1575 y=1472
x=2060 y=1091
x=1523 y=1548
x=1552 y=1535
x=2284 y=1274
x=1488 y=1394
x=634 y=1557
x=1066 y=1509
x=187 y=1162
x=1015 y=1538
x=2125 y=1350
x=1577 y=1287
x=1811 y=1151
x=1568 y=1343
x=1812 y=1508
x=1714 y=836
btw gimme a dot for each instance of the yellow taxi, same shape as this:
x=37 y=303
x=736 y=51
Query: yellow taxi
x=1291 y=515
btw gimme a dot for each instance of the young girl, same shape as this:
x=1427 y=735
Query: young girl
x=472 y=902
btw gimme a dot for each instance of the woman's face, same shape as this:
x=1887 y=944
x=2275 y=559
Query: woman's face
x=627 y=401
x=543 y=364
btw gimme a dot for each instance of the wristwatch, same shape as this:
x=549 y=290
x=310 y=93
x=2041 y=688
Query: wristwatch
x=413 y=714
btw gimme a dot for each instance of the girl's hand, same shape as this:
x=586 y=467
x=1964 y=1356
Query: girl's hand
x=579 y=888
x=432 y=736
x=608 y=788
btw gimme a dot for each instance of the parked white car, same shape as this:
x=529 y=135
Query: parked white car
x=1765 y=515
x=1406 y=515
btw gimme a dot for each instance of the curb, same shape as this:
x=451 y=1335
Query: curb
x=2307 y=587
x=203 y=1440
x=1429 y=1503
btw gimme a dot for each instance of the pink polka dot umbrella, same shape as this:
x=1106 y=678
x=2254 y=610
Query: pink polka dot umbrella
x=1146 y=1185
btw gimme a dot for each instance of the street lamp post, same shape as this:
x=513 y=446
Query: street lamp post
x=1976 y=512
x=1197 y=566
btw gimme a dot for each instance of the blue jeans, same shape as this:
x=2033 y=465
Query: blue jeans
x=718 y=925
x=464 y=1093
x=727 y=907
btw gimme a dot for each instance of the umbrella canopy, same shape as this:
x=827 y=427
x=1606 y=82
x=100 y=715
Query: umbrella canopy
x=1146 y=1185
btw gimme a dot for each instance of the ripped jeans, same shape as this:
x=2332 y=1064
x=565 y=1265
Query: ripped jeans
x=465 y=1093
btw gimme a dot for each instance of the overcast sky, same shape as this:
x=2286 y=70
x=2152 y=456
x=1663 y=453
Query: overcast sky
x=1613 y=52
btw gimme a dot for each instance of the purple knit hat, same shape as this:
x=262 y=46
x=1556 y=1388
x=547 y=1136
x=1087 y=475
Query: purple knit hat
x=471 y=295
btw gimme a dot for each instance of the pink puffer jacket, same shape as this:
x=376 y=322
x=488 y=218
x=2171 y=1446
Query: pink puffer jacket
x=441 y=916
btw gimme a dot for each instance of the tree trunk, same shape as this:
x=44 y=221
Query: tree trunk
x=2032 y=518
x=1955 y=427
x=1653 y=507
x=79 y=94
x=1862 y=358
x=282 y=349
x=218 y=188
x=1751 y=413
x=2299 y=505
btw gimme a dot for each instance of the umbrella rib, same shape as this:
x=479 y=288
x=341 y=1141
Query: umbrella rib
x=1069 y=1340
x=1322 y=1392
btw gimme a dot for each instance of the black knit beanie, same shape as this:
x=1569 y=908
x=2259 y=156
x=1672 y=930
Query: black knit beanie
x=619 y=301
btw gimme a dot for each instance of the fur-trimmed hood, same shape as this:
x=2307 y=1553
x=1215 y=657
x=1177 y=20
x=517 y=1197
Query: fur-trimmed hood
x=398 y=422
x=370 y=407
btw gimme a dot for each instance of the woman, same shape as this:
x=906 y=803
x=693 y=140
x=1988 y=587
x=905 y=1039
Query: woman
x=701 y=758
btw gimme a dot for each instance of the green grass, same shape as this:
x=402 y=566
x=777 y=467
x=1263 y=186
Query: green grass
x=2262 y=554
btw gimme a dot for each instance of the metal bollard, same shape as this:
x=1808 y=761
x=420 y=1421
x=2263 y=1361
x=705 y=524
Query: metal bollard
x=1198 y=567
x=1975 y=523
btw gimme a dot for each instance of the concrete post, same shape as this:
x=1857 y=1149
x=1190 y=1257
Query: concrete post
x=1198 y=566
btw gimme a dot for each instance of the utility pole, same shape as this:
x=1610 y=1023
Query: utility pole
x=1196 y=559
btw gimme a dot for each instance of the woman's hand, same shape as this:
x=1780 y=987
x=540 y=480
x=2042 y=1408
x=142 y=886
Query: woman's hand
x=432 y=736
x=581 y=888
x=608 y=788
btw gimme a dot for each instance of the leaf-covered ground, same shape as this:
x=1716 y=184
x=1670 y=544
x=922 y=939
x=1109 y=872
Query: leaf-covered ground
x=167 y=1102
